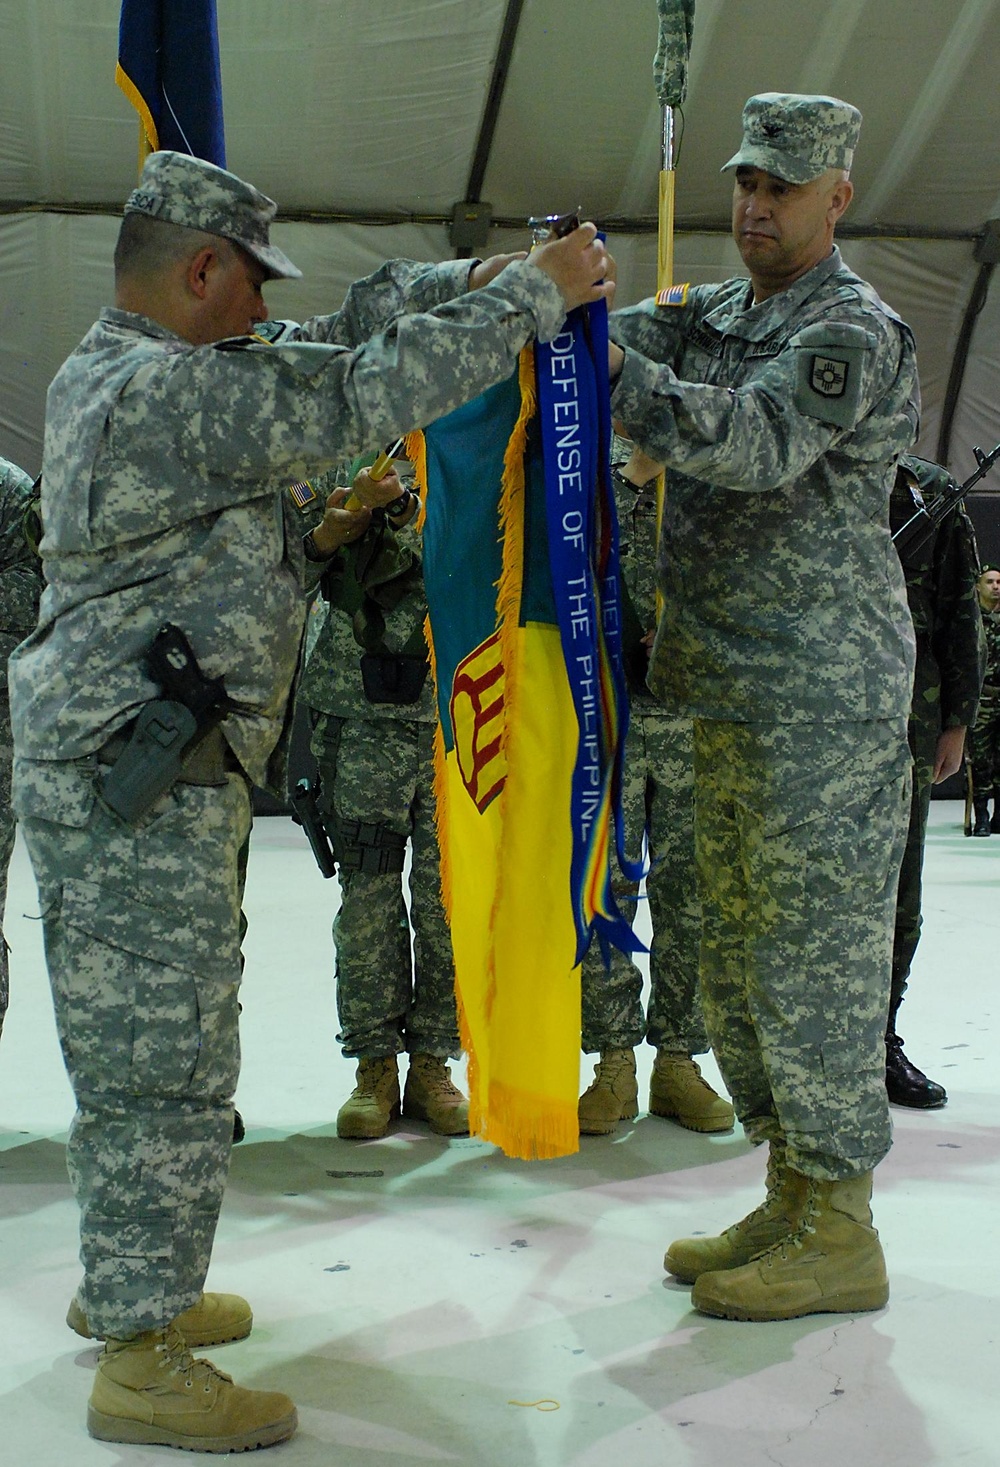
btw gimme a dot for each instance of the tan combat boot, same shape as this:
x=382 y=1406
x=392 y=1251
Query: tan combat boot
x=152 y=1391
x=831 y=1263
x=374 y=1101
x=612 y=1095
x=430 y=1096
x=216 y=1319
x=774 y=1219
x=678 y=1093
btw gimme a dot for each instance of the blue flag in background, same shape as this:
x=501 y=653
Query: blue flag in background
x=168 y=67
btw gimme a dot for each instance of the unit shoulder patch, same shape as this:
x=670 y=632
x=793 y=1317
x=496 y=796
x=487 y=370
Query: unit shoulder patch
x=830 y=358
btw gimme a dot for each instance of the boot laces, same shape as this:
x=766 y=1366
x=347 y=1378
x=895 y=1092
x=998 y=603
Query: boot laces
x=176 y=1359
x=796 y=1239
x=613 y=1069
x=435 y=1076
x=375 y=1076
x=772 y=1182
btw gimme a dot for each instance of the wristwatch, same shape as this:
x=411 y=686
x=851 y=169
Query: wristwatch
x=399 y=506
x=616 y=473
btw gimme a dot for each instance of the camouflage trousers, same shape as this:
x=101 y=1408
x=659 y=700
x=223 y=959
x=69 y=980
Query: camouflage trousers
x=923 y=732
x=394 y=994
x=142 y=933
x=799 y=832
x=659 y=788
x=984 y=746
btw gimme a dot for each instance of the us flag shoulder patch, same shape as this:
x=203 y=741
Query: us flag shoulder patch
x=674 y=295
x=302 y=492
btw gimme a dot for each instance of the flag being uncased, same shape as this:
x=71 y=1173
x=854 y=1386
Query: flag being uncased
x=168 y=67
x=520 y=567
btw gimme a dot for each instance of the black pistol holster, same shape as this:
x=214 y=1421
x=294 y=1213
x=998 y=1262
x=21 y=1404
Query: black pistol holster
x=306 y=812
x=350 y=845
x=168 y=730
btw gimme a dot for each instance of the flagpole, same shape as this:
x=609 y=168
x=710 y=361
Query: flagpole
x=675 y=22
x=665 y=214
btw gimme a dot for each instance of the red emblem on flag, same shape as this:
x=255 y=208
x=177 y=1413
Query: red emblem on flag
x=477 y=707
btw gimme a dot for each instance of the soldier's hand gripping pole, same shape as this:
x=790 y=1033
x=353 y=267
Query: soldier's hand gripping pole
x=378 y=470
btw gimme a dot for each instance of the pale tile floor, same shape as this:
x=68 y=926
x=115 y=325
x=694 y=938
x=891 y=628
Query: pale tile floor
x=413 y=1295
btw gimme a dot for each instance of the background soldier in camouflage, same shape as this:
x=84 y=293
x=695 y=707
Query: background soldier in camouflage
x=20 y=584
x=170 y=433
x=779 y=407
x=373 y=717
x=658 y=787
x=941 y=590
x=984 y=739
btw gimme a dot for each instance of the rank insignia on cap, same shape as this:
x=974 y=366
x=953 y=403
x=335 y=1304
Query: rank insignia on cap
x=673 y=295
x=828 y=376
x=302 y=492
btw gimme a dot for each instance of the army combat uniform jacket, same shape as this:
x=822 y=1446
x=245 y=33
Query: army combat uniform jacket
x=780 y=424
x=163 y=466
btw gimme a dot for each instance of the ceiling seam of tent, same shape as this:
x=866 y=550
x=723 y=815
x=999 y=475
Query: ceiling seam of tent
x=640 y=224
x=494 y=98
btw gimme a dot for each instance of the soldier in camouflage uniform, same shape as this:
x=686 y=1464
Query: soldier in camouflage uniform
x=984 y=739
x=170 y=433
x=658 y=789
x=779 y=406
x=20 y=584
x=373 y=717
x=940 y=574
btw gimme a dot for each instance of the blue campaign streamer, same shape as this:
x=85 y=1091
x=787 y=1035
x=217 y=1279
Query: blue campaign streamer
x=574 y=416
x=610 y=584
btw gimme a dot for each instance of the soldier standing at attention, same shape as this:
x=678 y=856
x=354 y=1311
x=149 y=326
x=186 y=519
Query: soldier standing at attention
x=658 y=792
x=20 y=584
x=984 y=739
x=373 y=716
x=940 y=574
x=170 y=435
x=779 y=406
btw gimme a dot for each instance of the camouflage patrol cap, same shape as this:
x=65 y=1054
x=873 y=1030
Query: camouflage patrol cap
x=189 y=191
x=797 y=137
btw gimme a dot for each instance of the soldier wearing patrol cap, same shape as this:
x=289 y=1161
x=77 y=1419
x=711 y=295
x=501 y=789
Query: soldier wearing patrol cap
x=170 y=435
x=779 y=406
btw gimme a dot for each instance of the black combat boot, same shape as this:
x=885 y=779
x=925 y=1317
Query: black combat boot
x=904 y=1083
x=995 y=822
x=981 y=811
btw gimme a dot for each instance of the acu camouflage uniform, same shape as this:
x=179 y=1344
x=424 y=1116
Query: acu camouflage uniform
x=984 y=737
x=20 y=584
x=659 y=787
x=941 y=590
x=785 y=632
x=162 y=501
x=376 y=767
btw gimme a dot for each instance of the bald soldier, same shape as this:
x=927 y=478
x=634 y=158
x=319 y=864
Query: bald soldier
x=779 y=406
x=170 y=434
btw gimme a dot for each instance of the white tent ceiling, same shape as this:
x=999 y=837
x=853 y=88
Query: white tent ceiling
x=365 y=120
